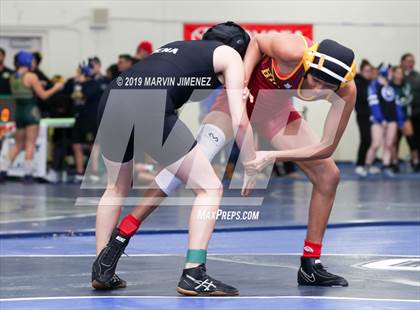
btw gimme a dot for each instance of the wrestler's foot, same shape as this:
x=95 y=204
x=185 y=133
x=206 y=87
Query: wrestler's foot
x=313 y=273
x=114 y=283
x=195 y=282
x=103 y=269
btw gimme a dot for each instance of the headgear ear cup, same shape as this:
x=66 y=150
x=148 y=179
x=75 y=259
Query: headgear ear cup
x=308 y=56
x=331 y=62
x=350 y=75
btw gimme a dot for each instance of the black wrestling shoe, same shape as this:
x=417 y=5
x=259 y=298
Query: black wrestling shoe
x=313 y=273
x=195 y=282
x=114 y=283
x=103 y=269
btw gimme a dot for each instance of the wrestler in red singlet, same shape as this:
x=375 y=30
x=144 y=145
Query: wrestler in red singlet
x=267 y=112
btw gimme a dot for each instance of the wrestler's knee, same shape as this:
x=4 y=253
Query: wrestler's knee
x=212 y=187
x=119 y=189
x=327 y=176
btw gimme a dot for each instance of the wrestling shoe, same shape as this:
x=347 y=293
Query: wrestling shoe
x=313 y=273
x=114 y=283
x=195 y=282
x=103 y=269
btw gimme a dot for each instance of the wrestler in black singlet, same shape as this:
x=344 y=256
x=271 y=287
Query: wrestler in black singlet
x=188 y=62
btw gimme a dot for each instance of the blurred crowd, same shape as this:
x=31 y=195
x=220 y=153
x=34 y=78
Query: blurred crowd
x=387 y=111
x=38 y=96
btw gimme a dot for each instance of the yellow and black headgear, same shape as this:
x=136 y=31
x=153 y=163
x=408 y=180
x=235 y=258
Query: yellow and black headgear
x=331 y=62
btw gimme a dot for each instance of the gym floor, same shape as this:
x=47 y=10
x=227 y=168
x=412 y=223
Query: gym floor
x=47 y=246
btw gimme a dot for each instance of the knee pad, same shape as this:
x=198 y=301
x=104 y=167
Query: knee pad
x=211 y=140
x=167 y=181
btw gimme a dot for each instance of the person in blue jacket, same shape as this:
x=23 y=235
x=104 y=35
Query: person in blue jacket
x=405 y=96
x=386 y=117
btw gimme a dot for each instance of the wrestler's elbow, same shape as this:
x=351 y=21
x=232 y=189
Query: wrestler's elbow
x=325 y=152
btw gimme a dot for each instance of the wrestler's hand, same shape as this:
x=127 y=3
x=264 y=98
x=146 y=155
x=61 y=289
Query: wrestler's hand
x=250 y=180
x=246 y=94
x=262 y=160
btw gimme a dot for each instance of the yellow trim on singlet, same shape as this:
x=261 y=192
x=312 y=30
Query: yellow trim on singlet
x=298 y=90
x=295 y=69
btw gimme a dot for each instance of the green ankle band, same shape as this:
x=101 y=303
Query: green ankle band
x=197 y=256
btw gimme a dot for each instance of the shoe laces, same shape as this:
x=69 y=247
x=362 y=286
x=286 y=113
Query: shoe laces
x=205 y=277
x=111 y=253
x=322 y=269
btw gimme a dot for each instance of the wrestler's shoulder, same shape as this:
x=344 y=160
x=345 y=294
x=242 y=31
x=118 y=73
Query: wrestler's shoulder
x=287 y=47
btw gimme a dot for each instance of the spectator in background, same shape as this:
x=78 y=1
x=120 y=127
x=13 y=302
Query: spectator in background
x=24 y=85
x=112 y=72
x=85 y=91
x=5 y=74
x=60 y=107
x=362 y=80
x=413 y=78
x=125 y=62
x=95 y=64
x=405 y=97
x=386 y=117
x=144 y=49
x=101 y=83
x=43 y=105
x=43 y=78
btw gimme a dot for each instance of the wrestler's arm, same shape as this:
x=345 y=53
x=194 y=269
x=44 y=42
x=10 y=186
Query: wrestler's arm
x=228 y=62
x=335 y=124
x=286 y=47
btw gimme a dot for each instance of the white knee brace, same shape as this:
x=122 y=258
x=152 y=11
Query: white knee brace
x=211 y=140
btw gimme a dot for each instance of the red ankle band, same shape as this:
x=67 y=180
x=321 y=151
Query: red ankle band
x=311 y=249
x=129 y=226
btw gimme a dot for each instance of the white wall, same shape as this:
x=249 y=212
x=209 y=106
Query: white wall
x=375 y=29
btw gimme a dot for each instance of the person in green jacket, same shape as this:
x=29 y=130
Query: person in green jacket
x=412 y=77
x=24 y=85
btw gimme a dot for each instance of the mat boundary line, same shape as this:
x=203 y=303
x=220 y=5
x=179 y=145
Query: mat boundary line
x=210 y=254
x=150 y=231
x=209 y=297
